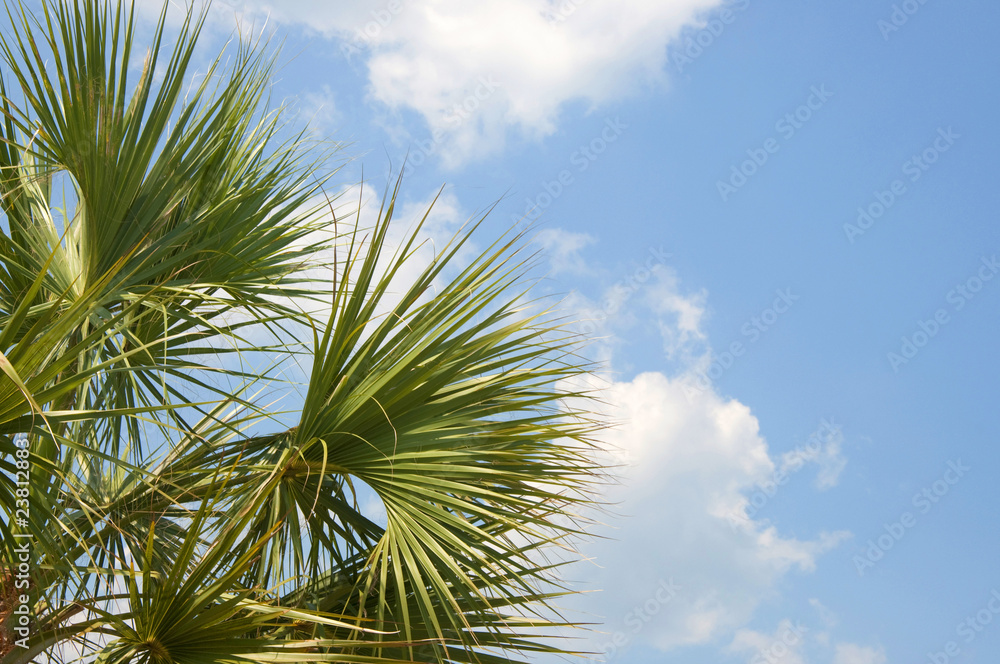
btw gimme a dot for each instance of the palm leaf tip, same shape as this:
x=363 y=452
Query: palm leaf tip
x=450 y=409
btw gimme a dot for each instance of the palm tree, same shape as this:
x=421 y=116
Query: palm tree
x=155 y=507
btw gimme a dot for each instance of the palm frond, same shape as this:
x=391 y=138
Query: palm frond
x=150 y=226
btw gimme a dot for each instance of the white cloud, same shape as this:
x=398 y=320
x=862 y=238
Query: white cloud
x=433 y=56
x=685 y=468
x=782 y=647
x=562 y=248
x=848 y=653
x=680 y=316
x=827 y=616
x=824 y=449
x=359 y=207
x=652 y=287
x=318 y=109
x=687 y=462
x=787 y=643
x=832 y=462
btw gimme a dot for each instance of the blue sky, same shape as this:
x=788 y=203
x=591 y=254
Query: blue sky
x=698 y=170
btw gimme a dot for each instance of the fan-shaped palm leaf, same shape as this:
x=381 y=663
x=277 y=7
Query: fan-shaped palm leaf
x=172 y=519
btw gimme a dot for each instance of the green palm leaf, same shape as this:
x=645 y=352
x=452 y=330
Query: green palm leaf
x=146 y=229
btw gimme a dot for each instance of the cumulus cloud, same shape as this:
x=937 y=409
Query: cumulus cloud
x=687 y=462
x=473 y=70
x=433 y=56
x=685 y=467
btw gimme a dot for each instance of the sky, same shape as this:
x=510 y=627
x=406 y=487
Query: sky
x=776 y=222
